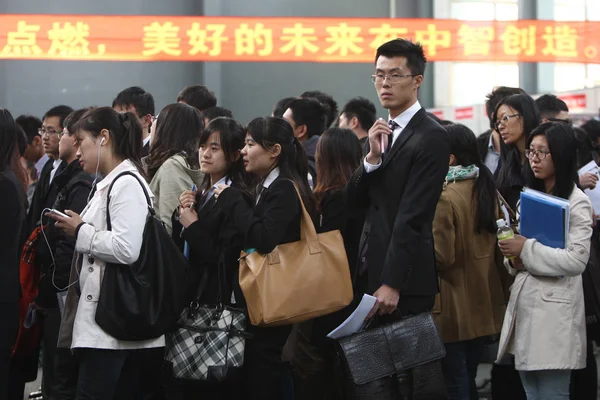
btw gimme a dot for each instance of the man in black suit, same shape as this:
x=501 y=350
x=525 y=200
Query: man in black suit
x=141 y=103
x=399 y=185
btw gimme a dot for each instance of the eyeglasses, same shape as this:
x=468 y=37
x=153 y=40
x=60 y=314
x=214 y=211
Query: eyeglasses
x=504 y=120
x=392 y=78
x=43 y=131
x=564 y=121
x=540 y=154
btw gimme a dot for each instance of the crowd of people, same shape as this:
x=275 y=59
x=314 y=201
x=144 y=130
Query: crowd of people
x=416 y=200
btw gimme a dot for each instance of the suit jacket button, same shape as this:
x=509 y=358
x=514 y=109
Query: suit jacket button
x=90 y=269
x=89 y=297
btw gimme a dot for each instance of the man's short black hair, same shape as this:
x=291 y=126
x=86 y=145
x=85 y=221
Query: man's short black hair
x=197 y=96
x=137 y=97
x=310 y=112
x=550 y=105
x=61 y=112
x=216 y=112
x=493 y=98
x=22 y=140
x=413 y=52
x=363 y=109
x=330 y=105
x=31 y=126
x=281 y=106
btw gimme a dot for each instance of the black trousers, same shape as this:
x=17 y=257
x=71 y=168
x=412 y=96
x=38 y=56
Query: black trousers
x=113 y=374
x=506 y=383
x=9 y=327
x=59 y=367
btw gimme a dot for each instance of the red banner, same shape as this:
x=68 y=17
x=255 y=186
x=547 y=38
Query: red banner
x=151 y=38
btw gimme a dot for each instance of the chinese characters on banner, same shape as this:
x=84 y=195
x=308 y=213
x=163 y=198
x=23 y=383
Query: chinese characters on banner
x=149 y=38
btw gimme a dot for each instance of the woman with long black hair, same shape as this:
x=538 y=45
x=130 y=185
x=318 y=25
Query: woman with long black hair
x=515 y=118
x=546 y=304
x=471 y=303
x=214 y=241
x=275 y=155
x=13 y=186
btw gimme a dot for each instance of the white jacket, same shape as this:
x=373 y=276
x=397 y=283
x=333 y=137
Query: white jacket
x=544 y=326
x=96 y=245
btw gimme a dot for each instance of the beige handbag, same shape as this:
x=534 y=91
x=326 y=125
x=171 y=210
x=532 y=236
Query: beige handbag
x=297 y=281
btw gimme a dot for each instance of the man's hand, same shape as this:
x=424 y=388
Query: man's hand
x=588 y=180
x=378 y=139
x=387 y=301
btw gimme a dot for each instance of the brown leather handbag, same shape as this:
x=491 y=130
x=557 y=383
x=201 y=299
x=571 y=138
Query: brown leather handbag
x=297 y=281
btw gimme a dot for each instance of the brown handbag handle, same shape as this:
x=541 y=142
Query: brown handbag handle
x=307 y=228
x=511 y=213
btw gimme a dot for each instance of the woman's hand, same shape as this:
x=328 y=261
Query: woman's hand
x=67 y=225
x=588 y=180
x=517 y=264
x=187 y=199
x=512 y=247
x=222 y=187
x=187 y=216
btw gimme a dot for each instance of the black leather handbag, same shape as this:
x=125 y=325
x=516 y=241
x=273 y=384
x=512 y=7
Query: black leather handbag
x=143 y=301
x=395 y=361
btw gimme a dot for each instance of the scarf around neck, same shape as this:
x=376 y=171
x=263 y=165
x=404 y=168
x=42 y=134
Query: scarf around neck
x=460 y=173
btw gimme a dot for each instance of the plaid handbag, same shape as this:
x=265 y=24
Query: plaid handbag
x=207 y=343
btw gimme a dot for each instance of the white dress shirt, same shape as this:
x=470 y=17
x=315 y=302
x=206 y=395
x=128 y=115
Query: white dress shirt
x=269 y=181
x=97 y=245
x=211 y=192
x=55 y=166
x=402 y=120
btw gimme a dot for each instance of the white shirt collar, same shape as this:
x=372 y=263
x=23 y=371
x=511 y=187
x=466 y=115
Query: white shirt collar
x=271 y=177
x=56 y=163
x=223 y=181
x=404 y=118
x=124 y=166
x=146 y=141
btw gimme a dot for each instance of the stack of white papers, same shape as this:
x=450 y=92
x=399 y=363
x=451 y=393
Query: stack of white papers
x=356 y=320
x=593 y=194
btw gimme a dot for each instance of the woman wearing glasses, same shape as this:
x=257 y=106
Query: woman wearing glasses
x=544 y=326
x=515 y=117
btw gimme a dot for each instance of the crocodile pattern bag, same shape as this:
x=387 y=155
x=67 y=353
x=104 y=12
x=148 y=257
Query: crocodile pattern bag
x=402 y=352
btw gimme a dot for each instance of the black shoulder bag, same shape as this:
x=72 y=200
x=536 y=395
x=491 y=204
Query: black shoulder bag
x=143 y=300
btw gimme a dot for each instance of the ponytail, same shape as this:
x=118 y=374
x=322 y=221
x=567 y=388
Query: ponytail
x=125 y=132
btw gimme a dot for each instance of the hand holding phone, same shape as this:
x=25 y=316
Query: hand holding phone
x=55 y=211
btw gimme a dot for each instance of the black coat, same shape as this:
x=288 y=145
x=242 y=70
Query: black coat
x=400 y=199
x=12 y=214
x=44 y=195
x=215 y=245
x=483 y=142
x=273 y=221
x=72 y=187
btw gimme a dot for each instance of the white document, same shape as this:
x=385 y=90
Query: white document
x=593 y=194
x=356 y=320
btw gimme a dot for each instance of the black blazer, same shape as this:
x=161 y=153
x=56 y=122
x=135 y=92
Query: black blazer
x=44 y=195
x=400 y=199
x=215 y=245
x=483 y=142
x=274 y=220
x=146 y=149
x=72 y=187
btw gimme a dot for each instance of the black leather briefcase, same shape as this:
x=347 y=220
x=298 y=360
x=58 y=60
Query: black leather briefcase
x=397 y=361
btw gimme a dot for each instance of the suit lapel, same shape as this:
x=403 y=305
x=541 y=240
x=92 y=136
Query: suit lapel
x=210 y=204
x=404 y=136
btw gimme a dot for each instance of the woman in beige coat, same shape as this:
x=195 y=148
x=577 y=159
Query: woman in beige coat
x=173 y=161
x=544 y=325
x=471 y=303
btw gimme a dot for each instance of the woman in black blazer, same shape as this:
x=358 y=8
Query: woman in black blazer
x=275 y=155
x=338 y=155
x=13 y=185
x=214 y=241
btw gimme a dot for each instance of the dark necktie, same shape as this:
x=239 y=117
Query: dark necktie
x=393 y=125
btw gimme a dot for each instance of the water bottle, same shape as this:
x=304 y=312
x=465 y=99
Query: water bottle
x=504 y=232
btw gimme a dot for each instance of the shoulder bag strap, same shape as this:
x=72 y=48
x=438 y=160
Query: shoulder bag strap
x=108 y=224
x=511 y=213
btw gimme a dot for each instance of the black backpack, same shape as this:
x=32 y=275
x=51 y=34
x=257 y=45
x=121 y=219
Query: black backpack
x=143 y=301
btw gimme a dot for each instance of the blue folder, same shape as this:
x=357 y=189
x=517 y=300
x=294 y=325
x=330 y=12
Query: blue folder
x=544 y=218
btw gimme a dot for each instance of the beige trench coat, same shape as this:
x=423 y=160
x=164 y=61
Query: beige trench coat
x=544 y=326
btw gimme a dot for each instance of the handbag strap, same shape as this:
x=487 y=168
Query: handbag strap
x=511 y=213
x=307 y=228
x=108 y=224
